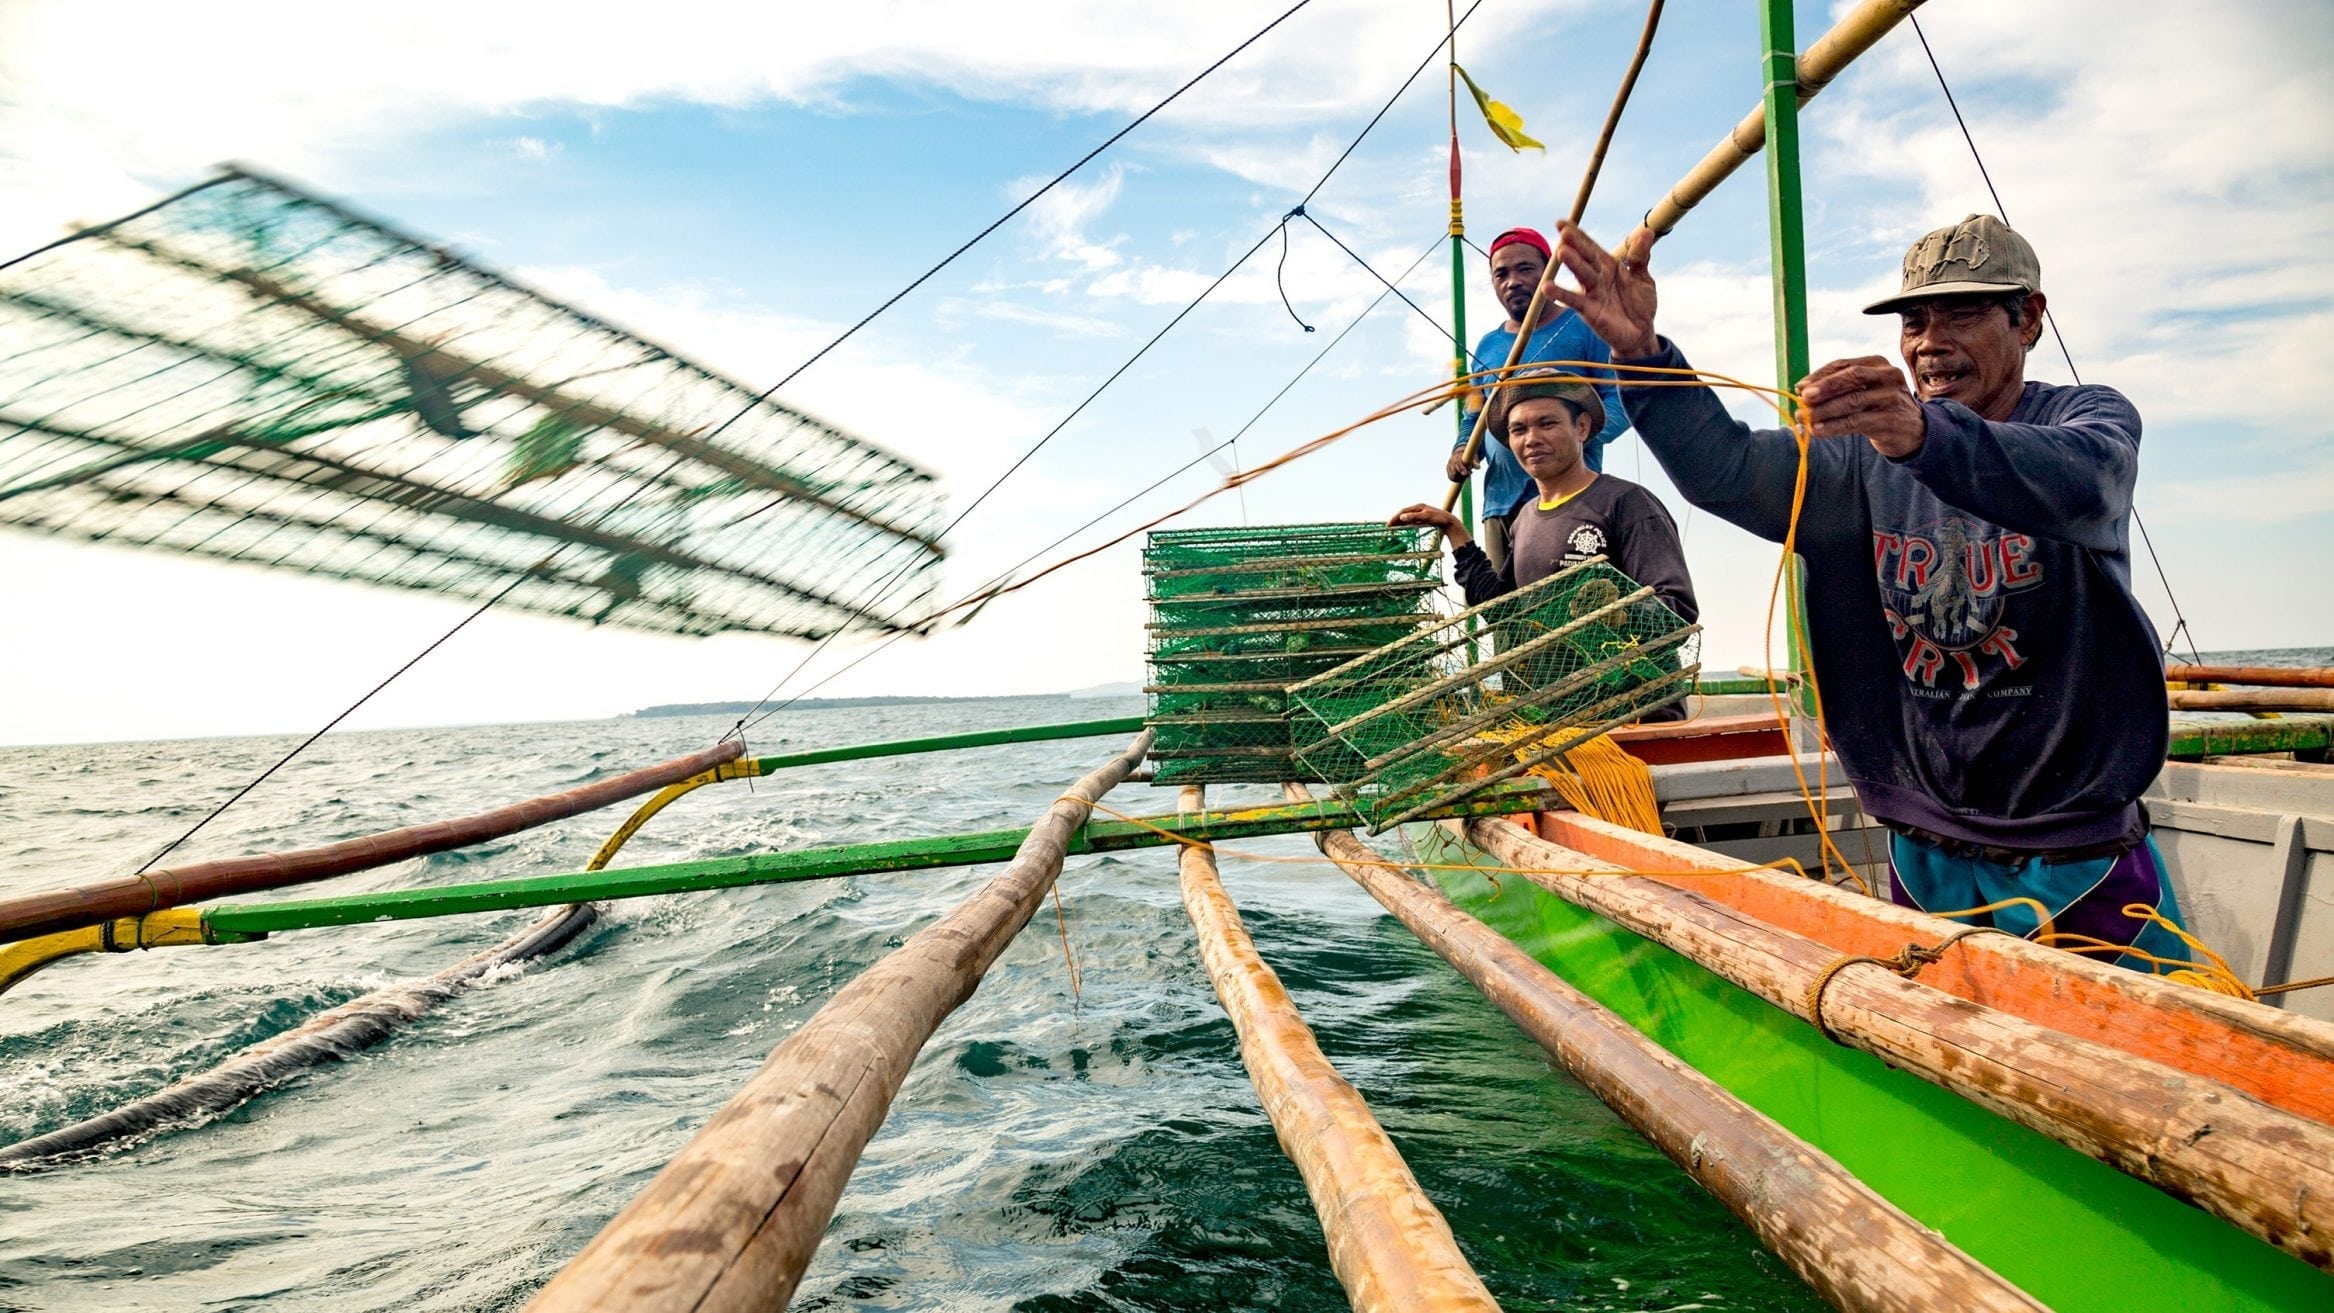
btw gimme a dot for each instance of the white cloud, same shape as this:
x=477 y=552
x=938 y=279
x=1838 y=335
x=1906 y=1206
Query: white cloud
x=2178 y=190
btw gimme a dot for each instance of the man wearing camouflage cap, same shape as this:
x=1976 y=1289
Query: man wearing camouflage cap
x=1994 y=691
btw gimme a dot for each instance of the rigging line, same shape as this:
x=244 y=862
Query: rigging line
x=883 y=589
x=1448 y=37
x=1130 y=500
x=868 y=318
x=2179 y=620
x=1281 y=270
x=1002 y=219
x=1439 y=327
x=327 y=727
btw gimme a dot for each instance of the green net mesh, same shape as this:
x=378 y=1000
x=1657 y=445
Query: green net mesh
x=1492 y=692
x=252 y=373
x=1238 y=615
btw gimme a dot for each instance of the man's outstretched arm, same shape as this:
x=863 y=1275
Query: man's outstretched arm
x=2071 y=480
x=1720 y=464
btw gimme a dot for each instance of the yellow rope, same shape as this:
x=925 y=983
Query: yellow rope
x=1599 y=778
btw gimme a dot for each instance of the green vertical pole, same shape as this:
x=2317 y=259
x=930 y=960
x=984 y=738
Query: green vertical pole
x=1459 y=368
x=1787 y=248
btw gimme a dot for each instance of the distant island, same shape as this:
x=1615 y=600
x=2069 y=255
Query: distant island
x=818 y=704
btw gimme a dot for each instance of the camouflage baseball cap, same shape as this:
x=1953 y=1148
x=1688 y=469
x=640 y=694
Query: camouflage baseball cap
x=1525 y=385
x=1977 y=255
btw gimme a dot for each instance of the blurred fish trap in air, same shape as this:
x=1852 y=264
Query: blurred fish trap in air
x=1239 y=614
x=1492 y=692
x=251 y=373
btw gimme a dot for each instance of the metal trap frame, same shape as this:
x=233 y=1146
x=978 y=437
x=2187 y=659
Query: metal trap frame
x=1417 y=725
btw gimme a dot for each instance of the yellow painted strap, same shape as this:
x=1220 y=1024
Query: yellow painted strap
x=170 y=928
x=26 y=956
x=741 y=769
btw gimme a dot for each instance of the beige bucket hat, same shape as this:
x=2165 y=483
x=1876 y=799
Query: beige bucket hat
x=1977 y=255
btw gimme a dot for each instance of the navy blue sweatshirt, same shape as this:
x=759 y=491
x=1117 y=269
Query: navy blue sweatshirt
x=1987 y=674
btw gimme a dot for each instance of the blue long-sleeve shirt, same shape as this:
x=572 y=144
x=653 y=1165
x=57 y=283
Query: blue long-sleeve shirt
x=1567 y=337
x=1987 y=674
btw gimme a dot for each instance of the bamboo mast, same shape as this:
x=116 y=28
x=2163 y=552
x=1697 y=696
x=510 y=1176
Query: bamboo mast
x=1531 y=315
x=1848 y=1243
x=2262 y=1169
x=733 y=1219
x=1388 y=1244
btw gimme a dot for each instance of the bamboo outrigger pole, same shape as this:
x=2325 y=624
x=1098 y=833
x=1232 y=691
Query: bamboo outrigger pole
x=28 y=915
x=1389 y=1245
x=2262 y=1169
x=2278 y=1058
x=733 y=1219
x=1848 y=1243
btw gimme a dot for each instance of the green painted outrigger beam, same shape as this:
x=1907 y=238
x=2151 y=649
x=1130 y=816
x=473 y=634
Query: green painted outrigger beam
x=986 y=738
x=232 y=922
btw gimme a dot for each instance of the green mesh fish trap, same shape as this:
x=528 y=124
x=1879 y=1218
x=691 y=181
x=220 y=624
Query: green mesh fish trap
x=1492 y=692
x=1239 y=614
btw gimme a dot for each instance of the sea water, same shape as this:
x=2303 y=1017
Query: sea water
x=1051 y=1150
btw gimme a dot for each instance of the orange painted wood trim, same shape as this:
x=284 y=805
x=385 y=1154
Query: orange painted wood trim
x=2275 y=1056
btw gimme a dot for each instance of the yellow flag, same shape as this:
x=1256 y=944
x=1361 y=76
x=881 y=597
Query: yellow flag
x=1505 y=123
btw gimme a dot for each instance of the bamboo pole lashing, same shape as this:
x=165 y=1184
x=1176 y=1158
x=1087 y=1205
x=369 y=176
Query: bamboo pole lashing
x=2260 y=1168
x=732 y=1220
x=1848 y=1243
x=1389 y=1245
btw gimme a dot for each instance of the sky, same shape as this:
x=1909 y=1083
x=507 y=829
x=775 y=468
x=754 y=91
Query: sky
x=741 y=182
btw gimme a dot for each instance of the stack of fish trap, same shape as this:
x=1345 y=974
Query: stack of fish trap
x=1492 y=692
x=1240 y=614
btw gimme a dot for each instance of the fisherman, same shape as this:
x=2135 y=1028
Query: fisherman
x=1518 y=257
x=1993 y=689
x=1550 y=421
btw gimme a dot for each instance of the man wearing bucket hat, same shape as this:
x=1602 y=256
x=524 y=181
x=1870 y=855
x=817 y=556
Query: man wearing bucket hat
x=1518 y=256
x=1993 y=689
x=1579 y=513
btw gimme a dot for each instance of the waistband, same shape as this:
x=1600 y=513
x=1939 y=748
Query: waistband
x=1966 y=850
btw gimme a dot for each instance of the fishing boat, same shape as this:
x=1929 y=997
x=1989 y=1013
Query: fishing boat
x=1907 y=1114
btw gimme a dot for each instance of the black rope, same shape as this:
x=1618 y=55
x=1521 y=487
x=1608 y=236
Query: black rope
x=1281 y=271
x=884 y=589
x=2179 y=620
x=1439 y=326
x=1156 y=484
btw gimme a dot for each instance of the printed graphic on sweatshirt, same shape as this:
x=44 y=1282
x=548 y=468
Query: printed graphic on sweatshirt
x=1944 y=588
x=1584 y=542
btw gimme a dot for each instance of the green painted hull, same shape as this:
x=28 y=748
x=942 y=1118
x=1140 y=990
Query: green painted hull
x=2074 y=1233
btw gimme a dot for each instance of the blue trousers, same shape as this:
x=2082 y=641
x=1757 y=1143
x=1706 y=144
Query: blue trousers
x=2084 y=897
